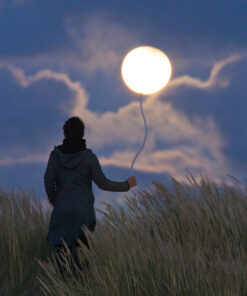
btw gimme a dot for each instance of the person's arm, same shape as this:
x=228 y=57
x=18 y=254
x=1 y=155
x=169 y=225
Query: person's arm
x=104 y=183
x=50 y=179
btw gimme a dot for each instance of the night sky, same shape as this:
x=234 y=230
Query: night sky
x=63 y=58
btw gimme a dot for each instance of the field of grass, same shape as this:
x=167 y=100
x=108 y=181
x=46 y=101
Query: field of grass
x=187 y=240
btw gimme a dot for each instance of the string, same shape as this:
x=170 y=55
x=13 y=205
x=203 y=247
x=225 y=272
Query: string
x=145 y=137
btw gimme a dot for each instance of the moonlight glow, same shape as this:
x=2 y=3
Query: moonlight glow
x=146 y=70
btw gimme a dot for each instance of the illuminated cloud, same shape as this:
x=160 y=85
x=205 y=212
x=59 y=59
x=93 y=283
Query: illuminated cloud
x=215 y=80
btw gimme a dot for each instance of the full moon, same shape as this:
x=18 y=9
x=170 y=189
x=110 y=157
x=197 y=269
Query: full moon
x=146 y=70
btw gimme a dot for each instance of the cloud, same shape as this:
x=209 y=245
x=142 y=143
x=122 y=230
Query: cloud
x=166 y=160
x=175 y=142
x=35 y=158
x=25 y=81
x=193 y=144
x=215 y=80
x=98 y=43
x=94 y=44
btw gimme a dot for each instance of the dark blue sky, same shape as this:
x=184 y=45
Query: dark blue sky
x=63 y=58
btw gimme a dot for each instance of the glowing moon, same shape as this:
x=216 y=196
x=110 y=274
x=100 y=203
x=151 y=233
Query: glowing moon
x=146 y=70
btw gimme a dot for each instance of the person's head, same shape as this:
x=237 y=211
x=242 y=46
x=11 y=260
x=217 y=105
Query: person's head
x=73 y=128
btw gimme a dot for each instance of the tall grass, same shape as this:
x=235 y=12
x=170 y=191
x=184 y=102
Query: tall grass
x=23 y=227
x=188 y=240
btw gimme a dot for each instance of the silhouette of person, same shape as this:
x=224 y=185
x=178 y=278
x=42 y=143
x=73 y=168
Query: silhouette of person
x=68 y=180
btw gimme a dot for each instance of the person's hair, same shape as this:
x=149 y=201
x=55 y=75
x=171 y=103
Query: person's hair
x=73 y=128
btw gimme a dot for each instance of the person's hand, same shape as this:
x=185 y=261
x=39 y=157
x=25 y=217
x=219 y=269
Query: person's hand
x=132 y=181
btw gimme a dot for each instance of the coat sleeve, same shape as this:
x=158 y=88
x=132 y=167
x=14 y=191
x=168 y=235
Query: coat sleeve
x=50 y=178
x=102 y=182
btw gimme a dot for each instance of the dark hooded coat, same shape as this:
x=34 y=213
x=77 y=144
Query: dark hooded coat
x=68 y=180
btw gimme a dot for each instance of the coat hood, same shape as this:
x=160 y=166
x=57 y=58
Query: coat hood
x=73 y=160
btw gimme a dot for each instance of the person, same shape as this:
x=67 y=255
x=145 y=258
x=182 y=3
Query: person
x=68 y=177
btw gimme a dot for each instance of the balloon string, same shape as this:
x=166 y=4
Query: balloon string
x=145 y=137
